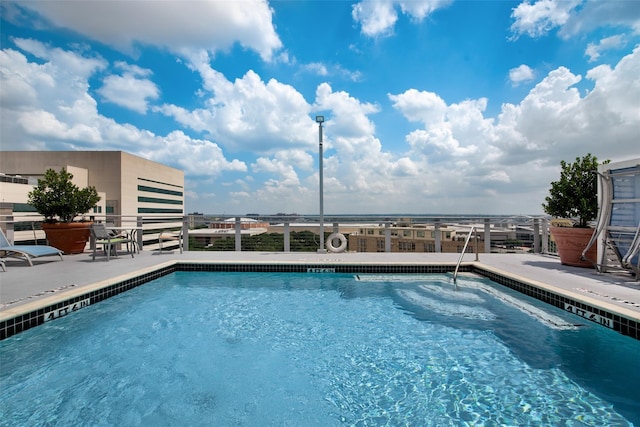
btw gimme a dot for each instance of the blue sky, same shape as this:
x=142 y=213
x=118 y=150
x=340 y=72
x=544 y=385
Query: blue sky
x=456 y=107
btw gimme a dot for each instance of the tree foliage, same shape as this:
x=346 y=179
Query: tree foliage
x=575 y=194
x=58 y=199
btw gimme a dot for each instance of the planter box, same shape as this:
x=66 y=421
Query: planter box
x=571 y=242
x=69 y=237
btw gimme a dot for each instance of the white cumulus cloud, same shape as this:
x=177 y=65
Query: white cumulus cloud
x=594 y=50
x=521 y=74
x=131 y=89
x=212 y=25
x=572 y=17
x=247 y=113
x=538 y=18
x=378 y=17
x=57 y=112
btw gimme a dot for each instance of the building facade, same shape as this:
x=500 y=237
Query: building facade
x=410 y=238
x=129 y=185
x=130 y=188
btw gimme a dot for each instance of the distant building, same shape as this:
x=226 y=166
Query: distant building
x=196 y=220
x=129 y=185
x=208 y=236
x=408 y=238
x=312 y=227
x=245 y=224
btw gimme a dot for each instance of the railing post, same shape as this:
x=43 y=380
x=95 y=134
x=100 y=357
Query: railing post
x=387 y=237
x=185 y=233
x=9 y=229
x=287 y=238
x=545 y=236
x=436 y=232
x=536 y=236
x=139 y=233
x=238 y=235
x=487 y=236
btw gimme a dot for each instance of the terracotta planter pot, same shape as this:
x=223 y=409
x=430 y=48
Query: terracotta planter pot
x=70 y=238
x=571 y=242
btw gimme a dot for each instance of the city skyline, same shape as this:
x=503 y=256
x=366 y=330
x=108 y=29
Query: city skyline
x=436 y=107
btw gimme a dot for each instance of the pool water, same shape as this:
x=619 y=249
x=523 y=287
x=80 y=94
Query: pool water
x=289 y=349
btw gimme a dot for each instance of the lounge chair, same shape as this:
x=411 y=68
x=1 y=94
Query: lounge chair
x=109 y=242
x=27 y=252
x=170 y=236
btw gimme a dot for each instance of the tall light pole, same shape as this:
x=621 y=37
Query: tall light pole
x=320 y=120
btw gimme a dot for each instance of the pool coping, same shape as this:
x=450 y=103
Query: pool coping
x=17 y=319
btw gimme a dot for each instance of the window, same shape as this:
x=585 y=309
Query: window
x=159 y=190
x=23 y=207
x=159 y=210
x=156 y=200
x=420 y=233
x=406 y=246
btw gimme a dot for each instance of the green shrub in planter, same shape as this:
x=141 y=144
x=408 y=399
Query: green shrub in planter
x=575 y=194
x=58 y=199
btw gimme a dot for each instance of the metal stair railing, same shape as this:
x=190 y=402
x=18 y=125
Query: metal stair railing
x=464 y=249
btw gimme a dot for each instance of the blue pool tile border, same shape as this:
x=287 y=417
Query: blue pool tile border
x=34 y=318
x=337 y=268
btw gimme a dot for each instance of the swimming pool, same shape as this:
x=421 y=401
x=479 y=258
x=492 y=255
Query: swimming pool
x=319 y=350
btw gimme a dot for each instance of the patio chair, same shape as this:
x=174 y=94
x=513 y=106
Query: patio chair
x=170 y=236
x=26 y=252
x=109 y=242
x=115 y=231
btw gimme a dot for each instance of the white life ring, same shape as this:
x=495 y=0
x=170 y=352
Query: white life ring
x=343 y=242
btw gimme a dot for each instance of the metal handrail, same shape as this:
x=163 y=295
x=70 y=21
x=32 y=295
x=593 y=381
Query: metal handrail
x=464 y=249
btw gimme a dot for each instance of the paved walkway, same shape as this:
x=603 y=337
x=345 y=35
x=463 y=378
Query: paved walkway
x=22 y=286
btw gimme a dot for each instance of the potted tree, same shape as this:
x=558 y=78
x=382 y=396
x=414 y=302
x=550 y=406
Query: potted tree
x=60 y=201
x=574 y=197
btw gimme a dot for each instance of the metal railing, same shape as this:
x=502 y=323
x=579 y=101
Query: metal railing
x=464 y=249
x=492 y=230
x=25 y=229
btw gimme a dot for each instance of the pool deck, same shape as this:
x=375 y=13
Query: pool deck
x=23 y=288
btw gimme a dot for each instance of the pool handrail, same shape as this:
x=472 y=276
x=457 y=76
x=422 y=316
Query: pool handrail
x=464 y=249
